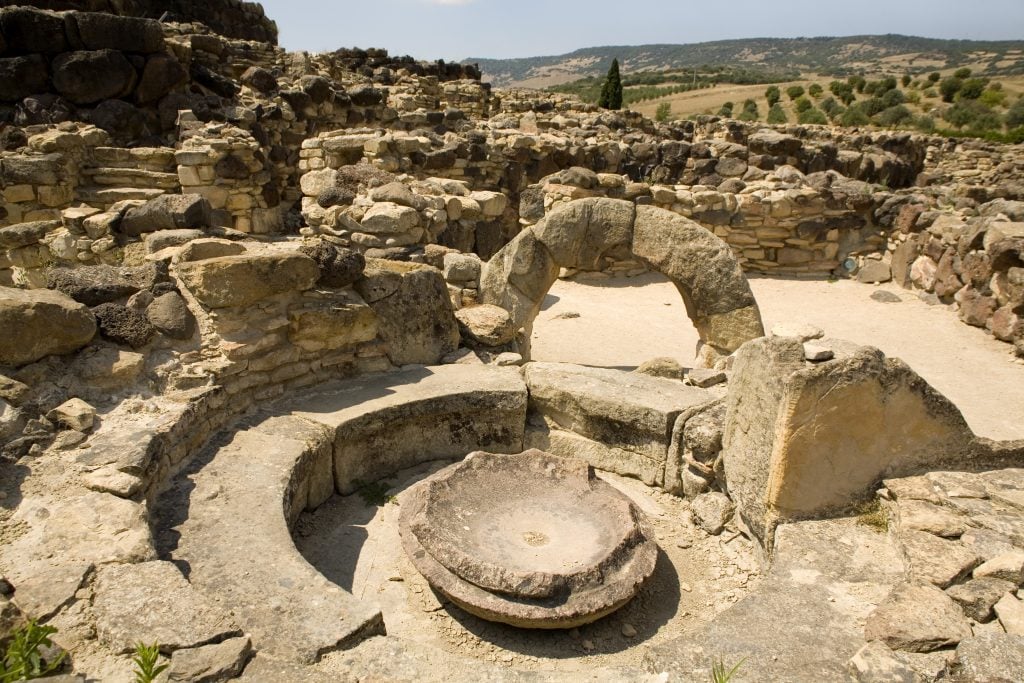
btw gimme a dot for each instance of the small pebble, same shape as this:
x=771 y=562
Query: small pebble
x=628 y=631
x=685 y=587
x=588 y=645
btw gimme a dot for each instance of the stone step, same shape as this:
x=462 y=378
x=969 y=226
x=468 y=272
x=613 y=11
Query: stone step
x=121 y=177
x=618 y=421
x=106 y=196
x=149 y=158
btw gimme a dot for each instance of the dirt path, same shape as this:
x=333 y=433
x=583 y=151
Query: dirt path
x=623 y=322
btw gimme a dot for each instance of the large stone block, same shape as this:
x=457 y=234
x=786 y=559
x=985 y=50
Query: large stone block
x=28 y=30
x=579 y=234
x=803 y=441
x=98 y=31
x=344 y=320
x=631 y=416
x=89 y=76
x=40 y=322
x=247 y=278
x=22 y=76
x=413 y=309
x=166 y=212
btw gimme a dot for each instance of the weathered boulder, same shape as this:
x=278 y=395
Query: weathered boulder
x=259 y=79
x=73 y=414
x=712 y=511
x=344 y=320
x=339 y=267
x=398 y=193
x=167 y=212
x=917 y=618
x=486 y=324
x=89 y=76
x=988 y=657
x=169 y=314
x=123 y=325
x=45 y=322
x=26 y=234
x=977 y=597
x=28 y=30
x=95 y=285
x=460 y=268
x=802 y=441
x=384 y=218
x=664 y=367
x=98 y=30
x=1007 y=566
x=413 y=310
x=22 y=76
x=160 y=76
x=210 y=663
x=244 y=279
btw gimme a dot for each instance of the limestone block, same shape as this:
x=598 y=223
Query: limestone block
x=386 y=218
x=622 y=410
x=414 y=313
x=343 y=320
x=801 y=441
x=917 y=618
x=580 y=233
x=231 y=281
x=486 y=324
x=152 y=602
x=74 y=414
x=461 y=267
x=47 y=322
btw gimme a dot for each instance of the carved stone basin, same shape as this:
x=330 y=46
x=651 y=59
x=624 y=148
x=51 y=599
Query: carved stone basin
x=532 y=540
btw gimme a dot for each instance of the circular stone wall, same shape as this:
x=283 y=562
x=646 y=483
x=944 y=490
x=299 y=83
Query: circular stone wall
x=717 y=295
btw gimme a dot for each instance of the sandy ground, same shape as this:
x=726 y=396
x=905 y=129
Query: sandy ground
x=624 y=321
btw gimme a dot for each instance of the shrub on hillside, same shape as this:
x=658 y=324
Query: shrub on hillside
x=1015 y=117
x=854 y=116
x=749 y=112
x=777 y=115
x=962 y=73
x=773 y=95
x=973 y=115
x=842 y=91
x=802 y=104
x=949 y=87
x=664 y=112
x=972 y=88
x=794 y=91
x=726 y=110
x=815 y=90
x=813 y=116
x=894 y=116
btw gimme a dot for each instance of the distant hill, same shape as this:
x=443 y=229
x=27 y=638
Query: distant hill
x=891 y=54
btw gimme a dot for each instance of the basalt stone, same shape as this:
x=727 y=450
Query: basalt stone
x=160 y=76
x=232 y=168
x=22 y=76
x=89 y=76
x=366 y=96
x=95 y=285
x=121 y=119
x=98 y=31
x=28 y=31
x=339 y=267
x=123 y=325
x=167 y=212
x=169 y=314
x=335 y=196
x=259 y=79
x=317 y=87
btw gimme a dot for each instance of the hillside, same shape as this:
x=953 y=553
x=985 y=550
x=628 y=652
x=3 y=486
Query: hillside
x=828 y=56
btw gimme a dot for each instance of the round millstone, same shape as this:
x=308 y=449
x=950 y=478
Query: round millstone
x=532 y=540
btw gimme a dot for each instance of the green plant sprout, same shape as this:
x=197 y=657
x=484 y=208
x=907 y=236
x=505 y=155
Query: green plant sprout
x=145 y=661
x=24 y=659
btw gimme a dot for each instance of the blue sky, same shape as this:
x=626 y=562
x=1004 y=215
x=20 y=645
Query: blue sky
x=457 y=29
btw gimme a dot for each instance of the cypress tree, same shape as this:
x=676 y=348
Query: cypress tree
x=611 y=90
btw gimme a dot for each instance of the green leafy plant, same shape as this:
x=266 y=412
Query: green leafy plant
x=375 y=493
x=720 y=674
x=145 y=661
x=24 y=658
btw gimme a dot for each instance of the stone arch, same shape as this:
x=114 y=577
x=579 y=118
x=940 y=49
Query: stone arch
x=717 y=295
